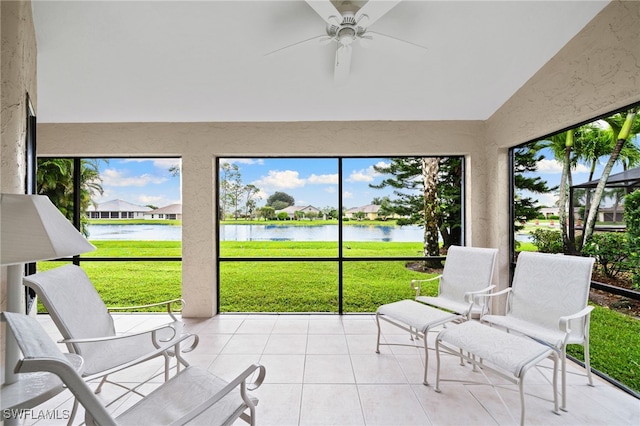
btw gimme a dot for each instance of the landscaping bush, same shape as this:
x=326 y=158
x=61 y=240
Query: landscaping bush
x=632 y=219
x=547 y=241
x=611 y=251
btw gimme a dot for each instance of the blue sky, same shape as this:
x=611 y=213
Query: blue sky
x=139 y=181
x=309 y=181
x=314 y=181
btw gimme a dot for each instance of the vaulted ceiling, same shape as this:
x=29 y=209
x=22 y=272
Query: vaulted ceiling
x=184 y=61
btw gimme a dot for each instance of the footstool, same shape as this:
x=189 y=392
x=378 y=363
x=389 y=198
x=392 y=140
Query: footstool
x=508 y=355
x=415 y=317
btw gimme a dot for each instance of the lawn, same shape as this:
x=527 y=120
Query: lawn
x=286 y=285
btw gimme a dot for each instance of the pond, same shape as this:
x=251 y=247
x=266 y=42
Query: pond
x=253 y=232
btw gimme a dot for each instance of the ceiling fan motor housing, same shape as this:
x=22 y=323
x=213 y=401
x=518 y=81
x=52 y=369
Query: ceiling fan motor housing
x=347 y=31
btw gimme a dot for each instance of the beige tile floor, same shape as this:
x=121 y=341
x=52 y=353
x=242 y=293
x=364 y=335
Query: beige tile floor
x=323 y=370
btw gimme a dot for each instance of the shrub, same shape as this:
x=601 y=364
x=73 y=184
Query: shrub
x=610 y=249
x=632 y=219
x=547 y=241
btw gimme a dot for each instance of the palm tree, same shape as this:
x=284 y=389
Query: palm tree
x=55 y=180
x=562 y=146
x=625 y=131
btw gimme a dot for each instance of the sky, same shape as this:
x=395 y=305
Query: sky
x=550 y=170
x=311 y=181
x=139 y=181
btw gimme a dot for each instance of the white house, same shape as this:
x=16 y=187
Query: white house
x=117 y=209
x=292 y=210
x=370 y=211
x=170 y=212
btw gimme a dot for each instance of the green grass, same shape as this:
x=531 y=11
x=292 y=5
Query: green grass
x=287 y=286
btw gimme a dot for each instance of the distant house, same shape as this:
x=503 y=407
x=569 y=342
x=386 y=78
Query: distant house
x=370 y=211
x=611 y=214
x=117 y=209
x=291 y=211
x=170 y=212
x=549 y=211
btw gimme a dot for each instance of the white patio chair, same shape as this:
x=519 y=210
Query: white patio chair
x=548 y=302
x=88 y=329
x=193 y=394
x=467 y=271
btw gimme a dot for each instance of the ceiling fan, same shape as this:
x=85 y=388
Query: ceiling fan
x=348 y=21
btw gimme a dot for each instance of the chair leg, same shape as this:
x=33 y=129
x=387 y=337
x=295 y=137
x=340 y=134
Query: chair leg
x=74 y=410
x=378 y=341
x=587 y=363
x=563 y=373
x=167 y=366
x=102 y=382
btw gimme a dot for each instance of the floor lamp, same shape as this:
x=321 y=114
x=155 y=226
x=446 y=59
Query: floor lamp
x=31 y=229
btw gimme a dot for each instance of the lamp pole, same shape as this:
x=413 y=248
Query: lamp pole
x=14 y=304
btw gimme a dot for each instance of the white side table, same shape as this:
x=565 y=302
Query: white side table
x=31 y=390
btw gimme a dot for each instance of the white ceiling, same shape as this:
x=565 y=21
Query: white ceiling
x=180 y=61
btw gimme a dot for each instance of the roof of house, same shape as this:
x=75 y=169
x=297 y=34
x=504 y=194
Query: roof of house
x=626 y=179
x=170 y=209
x=118 y=206
x=293 y=209
x=369 y=208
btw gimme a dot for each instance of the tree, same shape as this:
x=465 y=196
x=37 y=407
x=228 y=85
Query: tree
x=621 y=137
x=267 y=212
x=450 y=200
x=230 y=182
x=280 y=196
x=250 y=203
x=525 y=161
x=55 y=180
x=424 y=195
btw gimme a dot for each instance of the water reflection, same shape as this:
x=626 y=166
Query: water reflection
x=254 y=232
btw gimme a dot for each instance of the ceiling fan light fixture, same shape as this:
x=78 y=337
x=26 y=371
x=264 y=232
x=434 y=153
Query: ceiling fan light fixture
x=346 y=36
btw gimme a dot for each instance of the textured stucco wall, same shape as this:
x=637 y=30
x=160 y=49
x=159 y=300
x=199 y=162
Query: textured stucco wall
x=18 y=77
x=595 y=73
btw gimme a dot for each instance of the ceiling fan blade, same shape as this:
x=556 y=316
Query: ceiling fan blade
x=376 y=35
x=320 y=39
x=374 y=10
x=343 y=64
x=326 y=10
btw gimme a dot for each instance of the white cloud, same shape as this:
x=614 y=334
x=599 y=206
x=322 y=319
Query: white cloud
x=242 y=161
x=347 y=194
x=555 y=166
x=113 y=177
x=547 y=200
x=277 y=179
x=323 y=179
x=152 y=200
x=366 y=175
x=330 y=189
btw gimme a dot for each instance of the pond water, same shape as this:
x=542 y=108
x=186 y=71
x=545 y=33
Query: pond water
x=253 y=232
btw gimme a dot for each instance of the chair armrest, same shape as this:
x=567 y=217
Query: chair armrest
x=486 y=295
x=160 y=343
x=417 y=284
x=565 y=320
x=239 y=380
x=469 y=296
x=168 y=304
x=166 y=346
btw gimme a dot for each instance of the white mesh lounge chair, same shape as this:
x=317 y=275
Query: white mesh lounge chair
x=88 y=329
x=548 y=302
x=467 y=271
x=193 y=395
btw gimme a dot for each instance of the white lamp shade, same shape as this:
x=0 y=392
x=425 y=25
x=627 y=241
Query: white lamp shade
x=32 y=229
